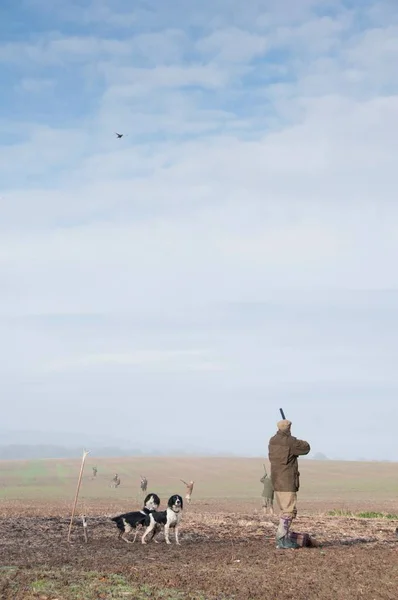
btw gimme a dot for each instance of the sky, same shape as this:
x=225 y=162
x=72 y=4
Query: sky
x=235 y=252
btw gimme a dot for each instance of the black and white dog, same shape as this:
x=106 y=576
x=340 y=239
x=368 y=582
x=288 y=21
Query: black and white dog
x=130 y=521
x=169 y=518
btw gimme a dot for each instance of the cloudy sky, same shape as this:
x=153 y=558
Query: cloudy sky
x=235 y=252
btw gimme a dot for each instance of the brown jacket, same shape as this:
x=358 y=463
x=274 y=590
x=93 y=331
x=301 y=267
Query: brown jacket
x=283 y=450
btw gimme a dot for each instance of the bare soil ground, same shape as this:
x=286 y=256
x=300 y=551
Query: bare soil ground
x=227 y=551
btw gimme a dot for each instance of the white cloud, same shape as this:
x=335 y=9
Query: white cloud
x=313 y=37
x=144 y=81
x=35 y=86
x=170 y=360
x=233 y=45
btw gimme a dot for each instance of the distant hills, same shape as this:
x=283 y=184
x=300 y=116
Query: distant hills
x=40 y=451
x=34 y=445
x=29 y=452
x=26 y=445
x=319 y=456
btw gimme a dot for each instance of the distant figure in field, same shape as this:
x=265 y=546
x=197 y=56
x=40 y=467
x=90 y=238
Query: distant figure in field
x=268 y=493
x=115 y=481
x=283 y=452
x=144 y=484
x=95 y=471
x=189 y=490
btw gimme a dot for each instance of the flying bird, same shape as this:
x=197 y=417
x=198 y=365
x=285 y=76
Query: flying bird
x=119 y=135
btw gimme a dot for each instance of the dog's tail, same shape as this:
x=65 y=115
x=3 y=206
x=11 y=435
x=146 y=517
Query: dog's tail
x=119 y=521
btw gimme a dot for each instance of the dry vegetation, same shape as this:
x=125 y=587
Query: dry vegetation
x=227 y=546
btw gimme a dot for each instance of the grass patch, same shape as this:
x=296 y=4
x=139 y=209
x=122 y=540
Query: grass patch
x=62 y=472
x=340 y=513
x=71 y=584
x=377 y=515
x=363 y=515
x=33 y=471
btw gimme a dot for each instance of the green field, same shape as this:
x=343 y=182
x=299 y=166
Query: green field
x=329 y=484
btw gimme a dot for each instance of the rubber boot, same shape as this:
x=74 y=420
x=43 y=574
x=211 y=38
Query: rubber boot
x=283 y=541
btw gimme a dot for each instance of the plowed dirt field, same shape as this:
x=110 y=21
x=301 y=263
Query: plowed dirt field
x=224 y=553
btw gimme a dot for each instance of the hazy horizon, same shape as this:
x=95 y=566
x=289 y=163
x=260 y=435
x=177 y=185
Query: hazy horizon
x=234 y=253
x=123 y=447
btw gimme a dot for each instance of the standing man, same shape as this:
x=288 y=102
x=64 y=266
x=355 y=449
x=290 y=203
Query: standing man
x=188 y=490
x=283 y=451
x=144 y=484
x=95 y=471
x=268 y=493
x=115 y=481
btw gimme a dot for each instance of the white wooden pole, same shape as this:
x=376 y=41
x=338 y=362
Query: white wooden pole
x=85 y=453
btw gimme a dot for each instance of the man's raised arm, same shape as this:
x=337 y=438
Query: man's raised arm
x=300 y=447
